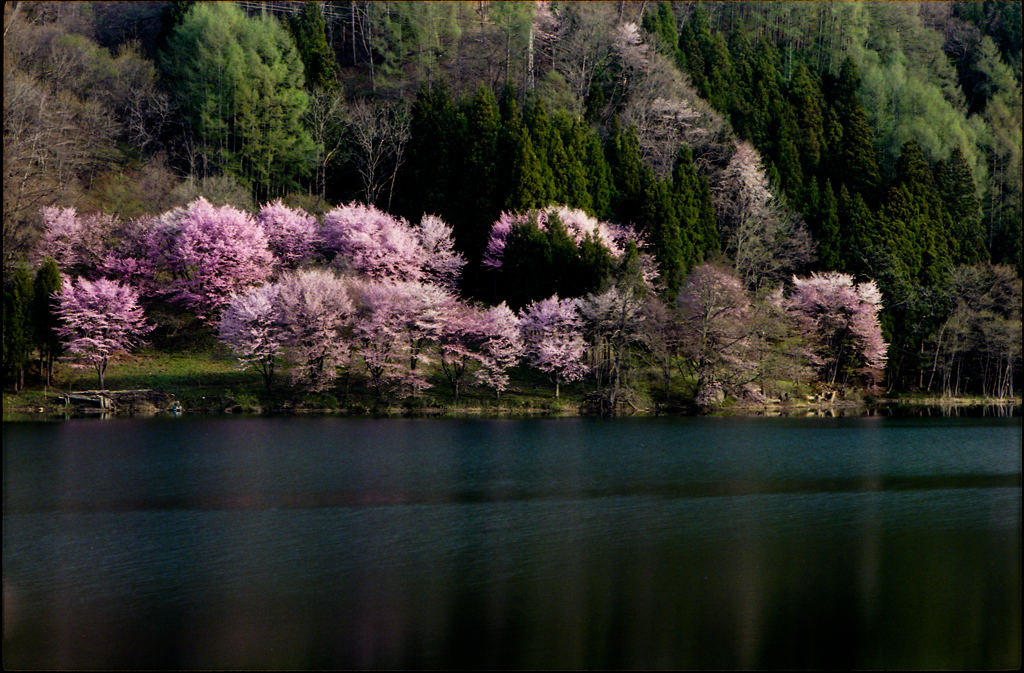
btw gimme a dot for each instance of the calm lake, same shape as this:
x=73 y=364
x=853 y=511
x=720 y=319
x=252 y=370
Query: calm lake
x=293 y=542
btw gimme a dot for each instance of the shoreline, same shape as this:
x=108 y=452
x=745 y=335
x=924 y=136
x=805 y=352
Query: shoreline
x=147 y=408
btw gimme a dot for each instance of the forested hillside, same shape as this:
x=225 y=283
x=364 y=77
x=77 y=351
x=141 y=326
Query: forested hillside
x=747 y=195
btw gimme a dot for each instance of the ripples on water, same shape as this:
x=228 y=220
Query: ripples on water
x=573 y=543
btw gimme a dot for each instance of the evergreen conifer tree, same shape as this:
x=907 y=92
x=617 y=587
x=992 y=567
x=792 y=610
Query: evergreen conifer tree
x=19 y=331
x=44 y=315
x=807 y=102
x=529 y=185
x=857 y=230
x=659 y=218
x=433 y=165
x=828 y=236
x=741 y=54
x=309 y=32
x=576 y=188
x=624 y=162
x=955 y=182
x=599 y=181
x=854 y=161
x=547 y=146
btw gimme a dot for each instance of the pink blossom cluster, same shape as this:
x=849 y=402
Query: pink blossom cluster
x=215 y=253
x=75 y=242
x=489 y=339
x=380 y=246
x=292 y=233
x=201 y=255
x=320 y=321
x=100 y=318
x=552 y=332
x=373 y=243
x=839 y=318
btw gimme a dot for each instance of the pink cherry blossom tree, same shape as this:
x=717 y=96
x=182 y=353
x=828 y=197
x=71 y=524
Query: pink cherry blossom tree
x=714 y=312
x=839 y=319
x=133 y=258
x=420 y=312
x=373 y=243
x=552 y=332
x=214 y=253
x=315 y=311
x=100 y=318
x=252 y=329
x=78 y=243
x=443 y=265
x=486 y=342
x=380 y=333
x=456 y=345
x=499 y=343
x=292 y=233
x=143 y=253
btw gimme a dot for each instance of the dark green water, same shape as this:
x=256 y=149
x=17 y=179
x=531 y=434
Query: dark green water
x=226 y=543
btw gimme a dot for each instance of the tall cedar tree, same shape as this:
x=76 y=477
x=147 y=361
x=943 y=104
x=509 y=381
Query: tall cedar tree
x=854 y=162
x=44 y=315
x=19 y=331
x=955 y=182
x=309 y=32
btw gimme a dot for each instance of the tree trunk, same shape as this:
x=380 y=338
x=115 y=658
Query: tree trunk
x=529 y=62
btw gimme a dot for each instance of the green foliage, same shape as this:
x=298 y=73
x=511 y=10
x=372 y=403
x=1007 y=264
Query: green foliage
x=853 y=160
x=547 y=147
x=662 y=24
x=309 y=32
x=513 y=20
x=431 y=172
x=537 y=263
x=44 y=315
x=860 y=80
x=19 y=336
x=1000 y=21
x=468 y=162
x=808 y=104
x=827 y=230
x=239 y=81
x=529 y=183
x=622 y=152
x=569 y=148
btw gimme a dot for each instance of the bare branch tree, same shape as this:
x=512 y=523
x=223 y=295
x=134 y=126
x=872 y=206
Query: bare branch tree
x=379 y=133
x=323 y=119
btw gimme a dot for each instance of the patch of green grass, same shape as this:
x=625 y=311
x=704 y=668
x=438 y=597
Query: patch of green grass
x=181 y=374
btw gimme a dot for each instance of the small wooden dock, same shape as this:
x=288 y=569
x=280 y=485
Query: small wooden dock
x=109 y=400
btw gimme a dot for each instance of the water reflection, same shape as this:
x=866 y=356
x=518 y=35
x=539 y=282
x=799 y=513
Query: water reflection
x=897 y=410
x=663 y=543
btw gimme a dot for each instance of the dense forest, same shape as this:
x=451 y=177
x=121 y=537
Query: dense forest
x=743 y=195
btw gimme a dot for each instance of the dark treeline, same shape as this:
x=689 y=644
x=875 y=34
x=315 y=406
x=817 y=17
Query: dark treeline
x=470 y=161
x=880 y=140
x=888 y=197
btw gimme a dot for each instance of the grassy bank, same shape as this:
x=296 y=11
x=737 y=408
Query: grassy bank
x=208 y=381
